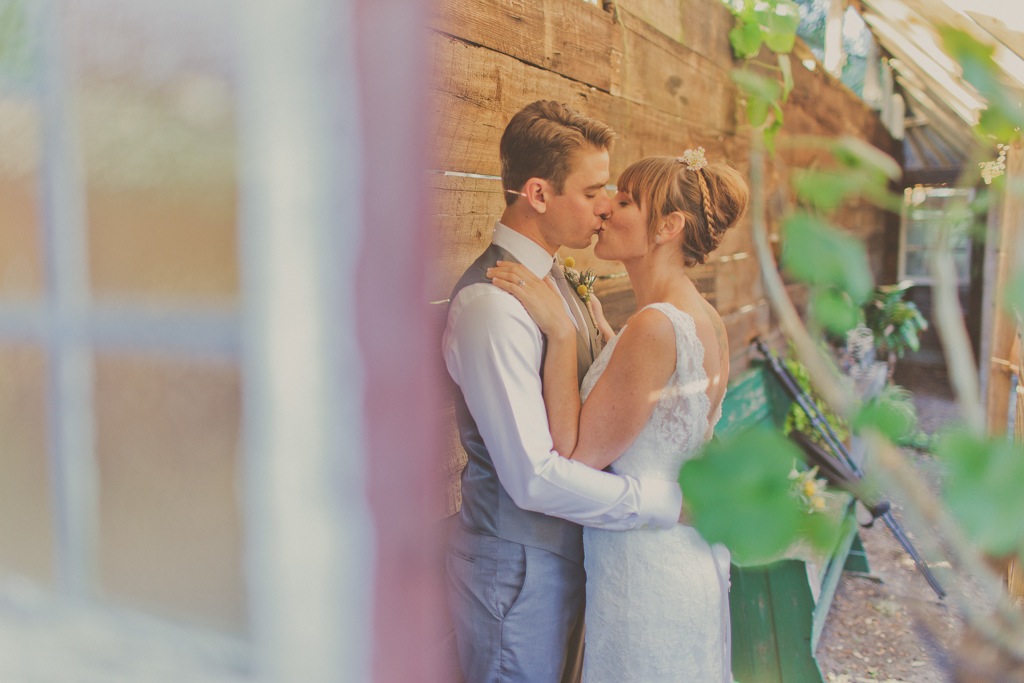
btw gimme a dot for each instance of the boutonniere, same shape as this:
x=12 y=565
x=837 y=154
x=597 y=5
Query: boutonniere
x=808 y=489
x=583 y=282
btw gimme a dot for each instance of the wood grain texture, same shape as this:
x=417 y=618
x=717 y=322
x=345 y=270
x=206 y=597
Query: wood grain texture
x=657 y=73
x=575 y=39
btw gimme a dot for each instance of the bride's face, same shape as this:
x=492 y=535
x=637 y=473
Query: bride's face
x=623 y=235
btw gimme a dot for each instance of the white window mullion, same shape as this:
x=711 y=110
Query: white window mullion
x=71 y=423
x=310 y=549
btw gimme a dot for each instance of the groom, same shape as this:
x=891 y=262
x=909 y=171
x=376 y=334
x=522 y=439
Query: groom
x=516 y=583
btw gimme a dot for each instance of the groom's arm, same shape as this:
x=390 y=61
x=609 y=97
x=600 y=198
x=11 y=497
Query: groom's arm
x=493 y=350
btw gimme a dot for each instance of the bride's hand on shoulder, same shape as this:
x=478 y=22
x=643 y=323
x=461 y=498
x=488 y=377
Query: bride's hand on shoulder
x=539 y=297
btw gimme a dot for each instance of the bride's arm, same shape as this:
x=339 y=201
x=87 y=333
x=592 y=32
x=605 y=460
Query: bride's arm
x=560 y=379
x=624 y=398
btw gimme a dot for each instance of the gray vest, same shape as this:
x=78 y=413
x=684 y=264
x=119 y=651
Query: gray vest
x=486 y=507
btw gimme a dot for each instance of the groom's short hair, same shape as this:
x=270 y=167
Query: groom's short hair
x=540 y=141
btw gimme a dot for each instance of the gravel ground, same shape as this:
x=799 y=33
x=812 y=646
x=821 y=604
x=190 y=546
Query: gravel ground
x=890 y=626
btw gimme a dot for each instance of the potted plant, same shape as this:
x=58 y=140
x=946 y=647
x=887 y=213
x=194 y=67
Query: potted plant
x=895 y=323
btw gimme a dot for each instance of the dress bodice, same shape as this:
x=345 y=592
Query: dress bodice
x=658 y=599
x=679 y=424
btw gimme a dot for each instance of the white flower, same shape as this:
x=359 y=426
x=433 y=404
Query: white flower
x=694 y=159
x=990 y=170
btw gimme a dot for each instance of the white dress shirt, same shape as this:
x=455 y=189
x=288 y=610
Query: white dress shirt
x=493 y=351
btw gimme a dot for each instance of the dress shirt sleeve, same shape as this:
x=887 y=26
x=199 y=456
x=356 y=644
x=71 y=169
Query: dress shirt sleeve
x=493 y=351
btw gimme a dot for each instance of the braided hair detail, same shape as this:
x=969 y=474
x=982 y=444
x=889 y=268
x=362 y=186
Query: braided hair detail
x=705 y=195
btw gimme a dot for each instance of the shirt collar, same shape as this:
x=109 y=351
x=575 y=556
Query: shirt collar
x=529 y=253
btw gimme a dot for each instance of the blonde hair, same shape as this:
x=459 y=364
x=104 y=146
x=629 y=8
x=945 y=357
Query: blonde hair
x=711 y=199
x=541 y=141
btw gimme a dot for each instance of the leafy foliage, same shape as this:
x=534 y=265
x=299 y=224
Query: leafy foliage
x=818 y=253
x=834 y=263
x=771 y=24
x=1005 y=112
x=982 y=488
x=739 y=493
x=764 y=97
x=737 y=490
x=797 y=419
x=863 y=172
x=891 y=413
x=895 y=323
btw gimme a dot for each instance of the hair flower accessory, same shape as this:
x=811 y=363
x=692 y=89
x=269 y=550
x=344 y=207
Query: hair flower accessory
x=581 y=283
x=694 y=159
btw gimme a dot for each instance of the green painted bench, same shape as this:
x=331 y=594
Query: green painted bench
x=779 y=610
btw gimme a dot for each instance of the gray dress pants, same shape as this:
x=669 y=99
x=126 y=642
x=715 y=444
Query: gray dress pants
x=515 y=609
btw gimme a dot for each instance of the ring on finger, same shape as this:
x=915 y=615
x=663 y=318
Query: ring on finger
x=522 y=283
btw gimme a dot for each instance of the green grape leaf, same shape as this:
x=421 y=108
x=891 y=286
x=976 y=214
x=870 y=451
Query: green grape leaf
x=891 y=417
x=982 y=488
x=757 y=111
x=817 y=253
x=826 y=189
x=779 y=25
x=855 y=153
x=754 y=85
x=822 y=531
x=993 y=122
x=834 y=310
x=745 y=38
x=738 y=493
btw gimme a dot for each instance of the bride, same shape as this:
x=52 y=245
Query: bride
x=657 y=601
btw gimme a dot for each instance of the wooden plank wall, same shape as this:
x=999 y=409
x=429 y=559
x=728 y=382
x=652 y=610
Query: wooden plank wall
x=1003 y=332
x=658 y=73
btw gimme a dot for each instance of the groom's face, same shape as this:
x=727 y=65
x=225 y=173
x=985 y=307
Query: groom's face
x=574 y=217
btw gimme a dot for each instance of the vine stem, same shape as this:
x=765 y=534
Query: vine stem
x=949 y=323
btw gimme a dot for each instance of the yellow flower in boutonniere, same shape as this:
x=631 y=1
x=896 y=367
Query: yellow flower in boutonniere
x=583 y=282
x=808 y=488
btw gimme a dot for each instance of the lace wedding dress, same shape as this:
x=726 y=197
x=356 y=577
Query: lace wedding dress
x=657 y=600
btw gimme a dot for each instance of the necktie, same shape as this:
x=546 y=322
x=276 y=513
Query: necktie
x=573 y=301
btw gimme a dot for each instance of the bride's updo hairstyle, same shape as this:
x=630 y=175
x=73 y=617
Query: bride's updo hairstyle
x=712 y=197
